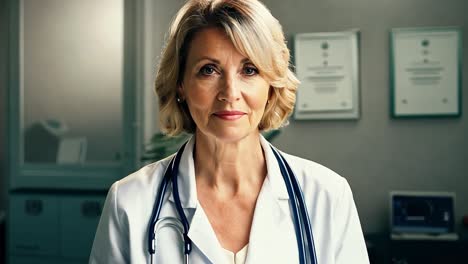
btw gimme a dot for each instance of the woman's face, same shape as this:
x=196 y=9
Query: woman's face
x=224 y=91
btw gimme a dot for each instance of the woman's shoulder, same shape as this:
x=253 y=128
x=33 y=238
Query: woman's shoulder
x=311 y=173
x=146 y=173
x=141 y=184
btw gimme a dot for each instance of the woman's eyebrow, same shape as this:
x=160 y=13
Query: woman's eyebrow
x=207 y=58
x=245 y=60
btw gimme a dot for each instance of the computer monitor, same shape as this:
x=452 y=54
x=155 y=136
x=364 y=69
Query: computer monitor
x=422 y=215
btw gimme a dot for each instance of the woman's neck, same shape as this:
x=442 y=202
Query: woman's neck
x=230 y=169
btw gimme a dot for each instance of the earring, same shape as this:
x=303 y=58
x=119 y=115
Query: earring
x=178 y=100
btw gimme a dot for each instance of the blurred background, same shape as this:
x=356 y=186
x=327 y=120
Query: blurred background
x=77 y=112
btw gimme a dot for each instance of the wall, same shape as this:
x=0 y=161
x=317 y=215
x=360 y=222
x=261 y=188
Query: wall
x=376 y=153
x=3 y=101
x=159 y=14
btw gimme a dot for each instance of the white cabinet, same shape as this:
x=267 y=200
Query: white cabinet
x=32 y=224
x=44 y=260
x=79 y=217
x=53 y=227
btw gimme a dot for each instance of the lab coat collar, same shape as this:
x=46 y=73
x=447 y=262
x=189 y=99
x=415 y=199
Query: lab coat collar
x=274 y=175
x=186 y=177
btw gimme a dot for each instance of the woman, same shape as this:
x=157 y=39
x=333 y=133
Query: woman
x=224 y=77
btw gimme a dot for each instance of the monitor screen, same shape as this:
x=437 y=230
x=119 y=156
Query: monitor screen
x=422 y=213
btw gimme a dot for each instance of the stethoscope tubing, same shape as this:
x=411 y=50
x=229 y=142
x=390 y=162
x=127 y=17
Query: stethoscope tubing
x=171 y=169
x=305 y=216
x=173 y=222
x=294 y=209
x=180 y=211
x=157 y=209
x=307 y=224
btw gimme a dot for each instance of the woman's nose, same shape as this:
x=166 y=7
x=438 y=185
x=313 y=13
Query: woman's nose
x=229 y=90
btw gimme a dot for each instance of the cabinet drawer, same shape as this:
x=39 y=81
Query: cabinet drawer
x=33 y=221
x=44 y=260
x=79 y=217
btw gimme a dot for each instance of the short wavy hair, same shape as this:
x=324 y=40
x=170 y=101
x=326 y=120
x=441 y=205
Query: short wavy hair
x=254 y=32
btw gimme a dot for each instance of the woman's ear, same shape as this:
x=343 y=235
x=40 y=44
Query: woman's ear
x=180 y=92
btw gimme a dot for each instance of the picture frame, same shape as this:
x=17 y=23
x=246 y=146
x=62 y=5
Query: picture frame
x=425 y=72
x=327 y=64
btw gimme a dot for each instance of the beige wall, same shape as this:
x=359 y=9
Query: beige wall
x=376 y=153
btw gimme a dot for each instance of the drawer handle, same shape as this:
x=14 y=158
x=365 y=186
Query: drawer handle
x=33 y=207
x=91 y=209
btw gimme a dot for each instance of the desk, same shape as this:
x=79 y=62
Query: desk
x=383 y=250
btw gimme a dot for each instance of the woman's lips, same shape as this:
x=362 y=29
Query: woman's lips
x=229 y=115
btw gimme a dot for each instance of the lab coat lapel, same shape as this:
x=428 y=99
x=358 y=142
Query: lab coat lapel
x=200 y=232
x=272 y=237
x=203 y=236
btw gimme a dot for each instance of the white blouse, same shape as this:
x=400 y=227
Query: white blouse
x=237 y=258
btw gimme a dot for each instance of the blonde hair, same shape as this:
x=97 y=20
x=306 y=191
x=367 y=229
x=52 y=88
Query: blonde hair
x=254 y=32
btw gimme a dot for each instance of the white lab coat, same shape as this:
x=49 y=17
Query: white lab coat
x=122 y=233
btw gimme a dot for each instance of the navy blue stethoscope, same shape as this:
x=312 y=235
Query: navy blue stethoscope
x=302 y=226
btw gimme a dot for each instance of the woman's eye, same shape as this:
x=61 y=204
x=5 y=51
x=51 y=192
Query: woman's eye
x=250 y=70
x=207 y=70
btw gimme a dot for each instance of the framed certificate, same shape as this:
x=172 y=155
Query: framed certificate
x=425 y=72
x=327 y=64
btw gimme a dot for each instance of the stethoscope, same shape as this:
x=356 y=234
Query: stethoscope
x=296 y=197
